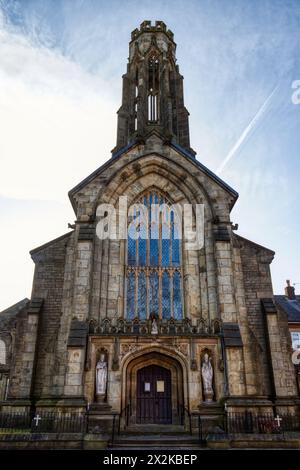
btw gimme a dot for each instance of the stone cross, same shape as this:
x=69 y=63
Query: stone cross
x=37 y=418
x=278 y=419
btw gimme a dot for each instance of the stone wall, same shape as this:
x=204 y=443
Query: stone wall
x=48 y=285
x=268 y=330
x=257 y=284
x=17 y=372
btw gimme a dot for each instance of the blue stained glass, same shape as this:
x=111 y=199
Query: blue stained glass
x=153 y=297
x=165 y=228
x=149 y=202
x=130 y=296
x=149 y=205
x=142 y=245
x=163 y=248
x=142 y=252
x=154 y=247
x=154 y=233
x=165 y=290
x=131 y=251
x=177 y=307
x=175 y=246
x=142 y=296
x=165 y=252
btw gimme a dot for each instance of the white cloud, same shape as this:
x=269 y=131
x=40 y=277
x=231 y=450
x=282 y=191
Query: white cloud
x=57 y=121
x=57 y=124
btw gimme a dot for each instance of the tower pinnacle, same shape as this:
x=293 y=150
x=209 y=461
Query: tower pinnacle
x=152 y=98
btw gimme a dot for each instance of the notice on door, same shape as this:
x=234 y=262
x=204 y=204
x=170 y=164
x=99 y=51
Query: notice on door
x=147 y=387
x=160 y=386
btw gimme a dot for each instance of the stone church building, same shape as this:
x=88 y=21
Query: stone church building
x=146 y=327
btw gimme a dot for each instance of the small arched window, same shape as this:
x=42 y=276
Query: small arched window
x=2 y=352
x=154 y=270
x=153 y=89
x=136 y=99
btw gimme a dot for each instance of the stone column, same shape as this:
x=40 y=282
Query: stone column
x=82 y=278
x=226 y=297
x=234 y=359
x=76 y=348
x=76 y=358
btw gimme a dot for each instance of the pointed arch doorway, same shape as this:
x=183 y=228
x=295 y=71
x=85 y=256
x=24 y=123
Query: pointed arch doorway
x=154 y=390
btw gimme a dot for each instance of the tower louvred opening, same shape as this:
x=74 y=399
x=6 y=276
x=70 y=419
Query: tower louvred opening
x=153 y=89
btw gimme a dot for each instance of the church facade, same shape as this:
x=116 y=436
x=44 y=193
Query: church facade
x=146 y=326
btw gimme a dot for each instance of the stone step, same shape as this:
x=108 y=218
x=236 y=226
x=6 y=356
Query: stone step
x=184 y=441
x=154 y=429
x=155 y=437
x=155 y=447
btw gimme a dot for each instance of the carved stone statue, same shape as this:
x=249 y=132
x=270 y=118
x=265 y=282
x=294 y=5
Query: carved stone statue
x=154 y=328
x=101 y=377
x=207 y=378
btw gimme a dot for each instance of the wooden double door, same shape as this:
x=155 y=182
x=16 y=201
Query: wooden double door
x=154 y=395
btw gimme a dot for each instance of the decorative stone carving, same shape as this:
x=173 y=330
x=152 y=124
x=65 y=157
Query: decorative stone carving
x=126 y=348
x=183 y=348
x=154 y=328
x=122 y=326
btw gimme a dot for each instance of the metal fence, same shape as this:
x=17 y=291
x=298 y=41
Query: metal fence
x=232 y=423
x=268 y=423
x=14 y=422
x=45 y=422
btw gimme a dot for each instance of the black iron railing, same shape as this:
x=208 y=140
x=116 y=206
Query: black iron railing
x=267 y=423
x=200 y=430
x=113 y=430
x=15 y=421
x=185 y=416
x=124 y=414
x=44 y=422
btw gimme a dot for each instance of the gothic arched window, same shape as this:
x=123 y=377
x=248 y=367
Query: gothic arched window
x=153 y=88
x=136 y=99
x=153 y=270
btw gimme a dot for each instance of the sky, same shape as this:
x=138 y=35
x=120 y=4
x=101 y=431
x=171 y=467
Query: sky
x=61 y=63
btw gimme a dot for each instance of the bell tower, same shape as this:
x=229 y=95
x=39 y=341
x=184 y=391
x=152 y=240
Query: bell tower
x=152 y=98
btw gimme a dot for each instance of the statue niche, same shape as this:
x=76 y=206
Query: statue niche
x=101 y=376
x=207 y=374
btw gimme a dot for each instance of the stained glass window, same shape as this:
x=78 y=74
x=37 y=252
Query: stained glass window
x=153 y=288
x=131 y=251
x=177 y=307
x=165 y=295
x=130 y=295
x=154 y=281
x=142 y=296
x=175 y=242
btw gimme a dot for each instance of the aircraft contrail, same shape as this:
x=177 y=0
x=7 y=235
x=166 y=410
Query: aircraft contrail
x=246 y=131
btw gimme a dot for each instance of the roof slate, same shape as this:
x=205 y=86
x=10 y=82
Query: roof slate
x=290 y=307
